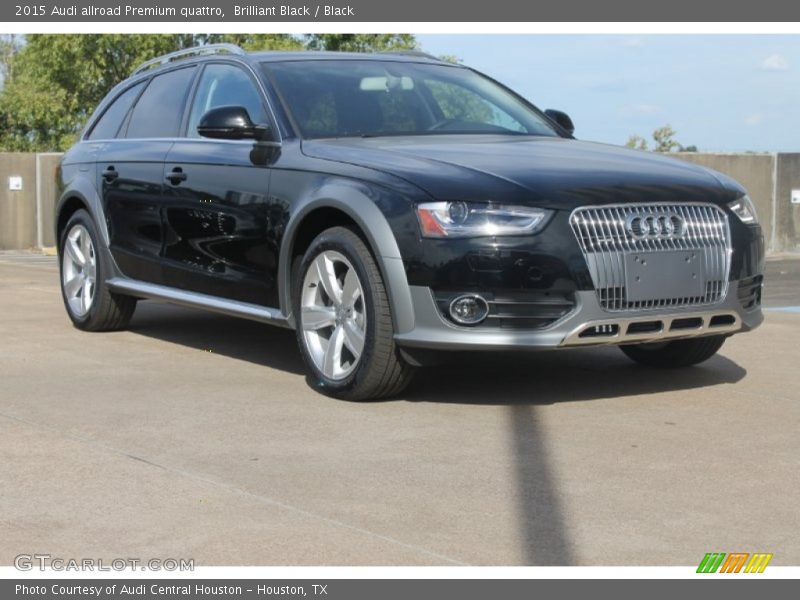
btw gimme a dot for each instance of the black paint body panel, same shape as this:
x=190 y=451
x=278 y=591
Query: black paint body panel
x=221 y=230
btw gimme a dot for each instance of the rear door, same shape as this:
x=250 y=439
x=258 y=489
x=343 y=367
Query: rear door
x=217 y=212
x=131 y=173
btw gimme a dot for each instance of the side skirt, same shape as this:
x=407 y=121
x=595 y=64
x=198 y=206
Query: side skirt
x=224 y=306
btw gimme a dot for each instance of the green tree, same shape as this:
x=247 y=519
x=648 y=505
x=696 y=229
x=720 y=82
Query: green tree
x=9 y=46
x=636 y=142
x=254 y=42
x=664 y=138
x=361 y=42
x=55 y=81
x=663 y=141
x=51 y=83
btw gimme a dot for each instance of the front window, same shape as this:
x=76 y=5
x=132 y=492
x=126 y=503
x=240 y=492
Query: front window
x=367 y=98
x=225 y=85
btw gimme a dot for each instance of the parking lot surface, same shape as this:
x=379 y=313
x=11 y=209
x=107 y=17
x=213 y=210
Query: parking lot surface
x=194 y=435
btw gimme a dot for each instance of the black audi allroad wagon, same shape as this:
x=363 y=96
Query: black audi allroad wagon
x=389 y=207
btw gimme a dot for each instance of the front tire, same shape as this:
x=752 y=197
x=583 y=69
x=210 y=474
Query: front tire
x=675 y=354
x=344 y=322
x=90 y=304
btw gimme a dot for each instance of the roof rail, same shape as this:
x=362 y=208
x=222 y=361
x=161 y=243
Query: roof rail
x=186 y=53
x=412 y=53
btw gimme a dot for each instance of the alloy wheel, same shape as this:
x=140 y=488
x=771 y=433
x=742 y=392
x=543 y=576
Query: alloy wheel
x=79 y=270
x=332 y=315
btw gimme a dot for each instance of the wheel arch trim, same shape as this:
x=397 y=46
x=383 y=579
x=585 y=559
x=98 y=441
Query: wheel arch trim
x=363 y=211
x=82 y=189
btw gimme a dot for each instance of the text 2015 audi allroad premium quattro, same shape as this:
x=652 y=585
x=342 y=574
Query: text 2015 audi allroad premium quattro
x=391 y=207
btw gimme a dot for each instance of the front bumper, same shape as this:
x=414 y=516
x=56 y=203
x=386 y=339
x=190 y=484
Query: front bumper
x=433 y=331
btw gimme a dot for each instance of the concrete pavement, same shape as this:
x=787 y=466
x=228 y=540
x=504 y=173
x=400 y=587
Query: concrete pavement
x=196 y=436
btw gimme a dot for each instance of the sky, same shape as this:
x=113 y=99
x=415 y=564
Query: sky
x=722 y=93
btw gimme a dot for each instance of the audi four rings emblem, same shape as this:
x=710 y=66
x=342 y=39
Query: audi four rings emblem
x=665 y=225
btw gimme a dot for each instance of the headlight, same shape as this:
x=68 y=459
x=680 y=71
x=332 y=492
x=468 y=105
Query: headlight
x=474 y=219
x=744 y=209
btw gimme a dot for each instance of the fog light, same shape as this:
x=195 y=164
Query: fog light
x=469 y=309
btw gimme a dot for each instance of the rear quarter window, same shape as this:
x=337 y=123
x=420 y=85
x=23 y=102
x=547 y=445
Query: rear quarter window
x=108 y=125
x=158 y=111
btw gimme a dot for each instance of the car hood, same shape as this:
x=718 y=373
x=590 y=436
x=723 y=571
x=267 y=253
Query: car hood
x=540 y=171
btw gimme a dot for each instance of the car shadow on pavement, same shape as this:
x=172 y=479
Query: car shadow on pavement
x=233 y=337
x=528 y=378
x=539 y=378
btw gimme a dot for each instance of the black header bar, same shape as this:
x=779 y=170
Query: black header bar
x=443 y=11
x=731 y=588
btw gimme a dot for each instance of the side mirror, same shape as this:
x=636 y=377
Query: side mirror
x=562 y=119
x=231 y=123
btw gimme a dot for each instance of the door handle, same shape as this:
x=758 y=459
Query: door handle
x=110 y=174
x=176 y=176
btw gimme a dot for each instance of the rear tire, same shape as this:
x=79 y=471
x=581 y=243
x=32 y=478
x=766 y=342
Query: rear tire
x=675 y=354
x=83 y=272
x=344 y=321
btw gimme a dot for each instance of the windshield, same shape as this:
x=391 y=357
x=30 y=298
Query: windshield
x=366 y=98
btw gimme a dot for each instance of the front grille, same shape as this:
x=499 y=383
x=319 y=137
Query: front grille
x=749 y=292
x=515 y=309
x=609 y=234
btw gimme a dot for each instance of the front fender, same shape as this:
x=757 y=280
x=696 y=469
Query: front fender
x=362 y=209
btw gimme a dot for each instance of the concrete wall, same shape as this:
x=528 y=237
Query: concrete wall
x=26 y=218
x=754 y=171
x=48 y=195
x=18 y=209
x=769 y=179
x=787 y=215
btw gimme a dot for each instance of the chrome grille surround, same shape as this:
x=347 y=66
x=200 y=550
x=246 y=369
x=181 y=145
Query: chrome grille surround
x=605 y=240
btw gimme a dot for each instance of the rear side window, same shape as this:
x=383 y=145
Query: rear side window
x=158 y=112
x=225 y=85
x=108 y=125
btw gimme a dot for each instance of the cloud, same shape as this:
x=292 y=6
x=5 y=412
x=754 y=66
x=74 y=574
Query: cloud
x=775 y=62
x=753 y=120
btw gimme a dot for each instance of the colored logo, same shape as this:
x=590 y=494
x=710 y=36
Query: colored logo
x=735 y=562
